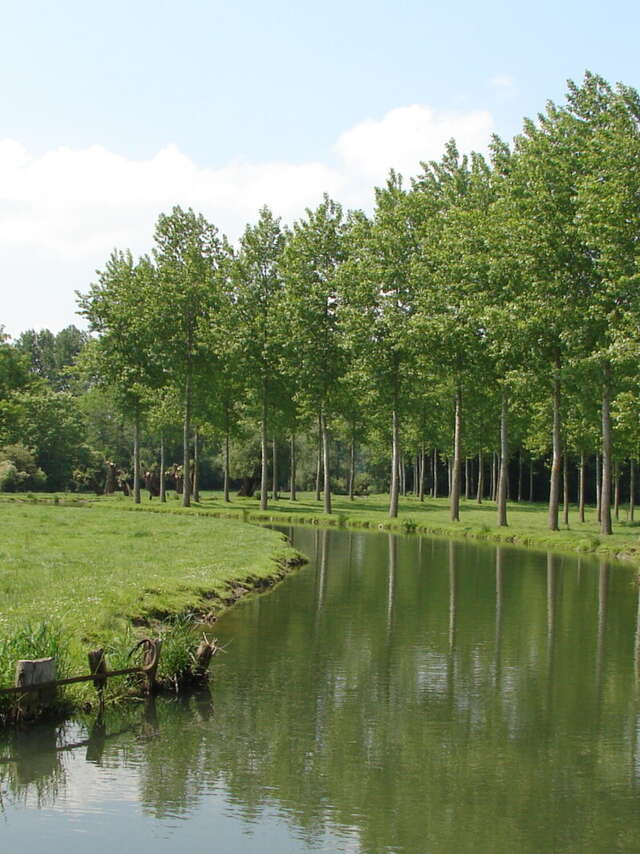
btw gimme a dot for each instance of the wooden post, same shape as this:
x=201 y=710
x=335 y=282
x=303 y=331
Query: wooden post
x=33 y=672
x=98 y=665
x=203 y=658
x=150 y=663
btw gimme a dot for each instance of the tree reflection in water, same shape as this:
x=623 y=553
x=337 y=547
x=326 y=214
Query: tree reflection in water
x=409 y=695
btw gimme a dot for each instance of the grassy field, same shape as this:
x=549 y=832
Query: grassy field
x=527 y=522
x=82 y=576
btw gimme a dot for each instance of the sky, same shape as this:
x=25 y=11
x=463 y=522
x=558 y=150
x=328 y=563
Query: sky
x=112 y=113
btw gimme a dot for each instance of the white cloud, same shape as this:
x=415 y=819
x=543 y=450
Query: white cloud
x=407 y=135
x=61 y=213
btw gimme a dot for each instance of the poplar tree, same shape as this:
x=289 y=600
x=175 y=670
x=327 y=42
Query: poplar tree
x=378 y=298
x=450 y=291
x=188 y=255
x=258 y=291
x=122 y=356
x=310 y=265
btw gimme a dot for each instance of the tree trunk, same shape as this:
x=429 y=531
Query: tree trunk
x=264 y=451
x=480 y=493
x=186 y=434
x=494 y=479
x=581 y=489
x=632 y=487
x=531 y=481
x=605 y=498
x=327 y=470
x=504 y=463
x=319 y=459
x=435 y=473
x=136 y=459
x=598 y=495
x=196 y=466
x=565 y=488
x=403 y=475
x=554 y=486
x=520 y=476
x=466 y=478
x=292 y=466
x=422 y=468
x=616 y=481
x=395 y=443
x=274 y=446
x=163 y=496
x=455 y=471
x=226 y=464
x=352 y=464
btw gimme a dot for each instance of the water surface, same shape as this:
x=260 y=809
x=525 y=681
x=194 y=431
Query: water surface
x=396 y=695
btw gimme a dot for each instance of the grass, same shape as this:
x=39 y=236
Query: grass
x=76 y=577
x=527 y=521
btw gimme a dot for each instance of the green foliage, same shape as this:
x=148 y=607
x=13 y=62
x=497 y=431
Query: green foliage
x=18 y=470
x=52 y=424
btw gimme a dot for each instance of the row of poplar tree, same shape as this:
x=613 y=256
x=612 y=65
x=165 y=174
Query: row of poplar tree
x=491 y=303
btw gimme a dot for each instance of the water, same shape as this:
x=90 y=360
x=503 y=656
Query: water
x=396 y=695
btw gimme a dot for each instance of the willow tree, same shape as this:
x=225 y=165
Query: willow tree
x=310 y=264
x=189 y=254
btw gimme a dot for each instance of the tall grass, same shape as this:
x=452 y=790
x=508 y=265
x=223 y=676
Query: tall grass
x=30 y=640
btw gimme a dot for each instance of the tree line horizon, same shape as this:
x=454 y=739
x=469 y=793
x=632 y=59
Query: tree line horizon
x=487 y=308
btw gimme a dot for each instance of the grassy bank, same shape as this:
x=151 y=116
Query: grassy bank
x=76 y=577
x=527 y=522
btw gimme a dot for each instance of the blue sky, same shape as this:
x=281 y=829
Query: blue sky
x=110 y=113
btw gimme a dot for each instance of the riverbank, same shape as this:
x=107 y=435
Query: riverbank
x=527 y=521
x=73 y=578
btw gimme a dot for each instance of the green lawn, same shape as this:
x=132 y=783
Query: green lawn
x=91 y=571
x=527 y=522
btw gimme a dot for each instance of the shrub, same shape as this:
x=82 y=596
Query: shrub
x=18 y=469
x=9 y=478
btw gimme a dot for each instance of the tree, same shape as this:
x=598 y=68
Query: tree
x=52 y=424
x=258 y=287
x=449 y=291
x=184 y=297
x=310 y=263
x=14 y=377
x=49 y=356
x=378 y=296
x=122 y=356
x=607 y=219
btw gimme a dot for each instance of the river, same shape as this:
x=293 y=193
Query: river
x=397 y=694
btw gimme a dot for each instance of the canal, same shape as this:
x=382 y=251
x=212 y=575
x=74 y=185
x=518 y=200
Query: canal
x=398 y=694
